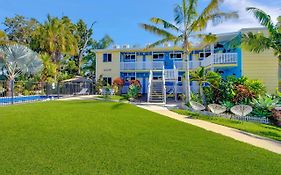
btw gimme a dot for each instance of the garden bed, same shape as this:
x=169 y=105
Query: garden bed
x=261 y=129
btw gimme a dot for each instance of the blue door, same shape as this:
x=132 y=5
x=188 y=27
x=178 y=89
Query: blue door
x=168 y=62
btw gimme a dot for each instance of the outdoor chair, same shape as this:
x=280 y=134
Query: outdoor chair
x=196 y=106
x=241 y=110
x=217 y=109
x=84 y=91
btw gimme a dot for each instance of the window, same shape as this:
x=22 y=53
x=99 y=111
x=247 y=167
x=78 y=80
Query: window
x=130 y=57
x=175 y=55
x=201 y=54
x=179 y=79
x=158 y=56
x=107 y=57
x=107 y=80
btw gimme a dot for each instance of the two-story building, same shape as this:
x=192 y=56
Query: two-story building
x=160 y=70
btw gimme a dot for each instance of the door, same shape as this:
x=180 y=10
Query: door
x=169 y=63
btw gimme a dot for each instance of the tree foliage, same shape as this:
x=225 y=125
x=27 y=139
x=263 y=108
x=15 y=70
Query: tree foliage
x=259 y=42
x=188 y=22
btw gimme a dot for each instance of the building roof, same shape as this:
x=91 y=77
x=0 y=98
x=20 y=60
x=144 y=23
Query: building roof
x=221 y=37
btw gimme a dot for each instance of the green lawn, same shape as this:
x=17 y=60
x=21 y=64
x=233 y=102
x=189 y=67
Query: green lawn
x=114 y=97
x=93 y=137
x=255 y=128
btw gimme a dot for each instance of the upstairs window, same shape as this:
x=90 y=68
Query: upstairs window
x=158 y=56
x=130 y=57
x=176 y=55
x=202 y=55
x=107 y=57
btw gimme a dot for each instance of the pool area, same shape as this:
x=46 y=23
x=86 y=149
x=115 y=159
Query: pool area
x=24 y=99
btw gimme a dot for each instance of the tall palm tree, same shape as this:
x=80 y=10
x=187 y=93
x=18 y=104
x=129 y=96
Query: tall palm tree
x=57 y=38
x=187 y=24
x=201 y=75
x=259 y=42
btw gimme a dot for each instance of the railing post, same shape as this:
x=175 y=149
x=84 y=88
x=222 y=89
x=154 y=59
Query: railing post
x=58 y=90
x=12 y=91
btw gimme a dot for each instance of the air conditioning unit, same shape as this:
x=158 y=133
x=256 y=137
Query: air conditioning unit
x=116 y=47
x=126 y=46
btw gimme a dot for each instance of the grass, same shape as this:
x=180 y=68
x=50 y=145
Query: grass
x=114 y=97
x=255 y=128
x=94 y=137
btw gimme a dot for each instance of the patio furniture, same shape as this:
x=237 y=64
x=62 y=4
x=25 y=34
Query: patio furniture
x=84 y=91
x=196 y=106
x=217 y=109
x=241 y=110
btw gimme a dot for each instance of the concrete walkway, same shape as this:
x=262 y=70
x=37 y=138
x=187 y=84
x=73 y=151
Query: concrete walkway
x=258 y=141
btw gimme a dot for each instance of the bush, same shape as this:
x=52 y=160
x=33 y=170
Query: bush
x=118 y=84
x=263 y=105
x=235 y=90
x=133 y=91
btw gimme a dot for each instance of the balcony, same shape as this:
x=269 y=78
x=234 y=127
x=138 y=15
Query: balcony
x=140 y=65
x=216 y=60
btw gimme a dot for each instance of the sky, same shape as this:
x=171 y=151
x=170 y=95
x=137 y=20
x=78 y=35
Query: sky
x=121 y=18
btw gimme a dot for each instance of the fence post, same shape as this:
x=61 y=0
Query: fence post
x=58 y=90
x=12 y=91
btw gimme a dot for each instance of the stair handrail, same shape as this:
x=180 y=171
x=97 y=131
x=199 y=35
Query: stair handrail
x=149 y=85
x=164 y=85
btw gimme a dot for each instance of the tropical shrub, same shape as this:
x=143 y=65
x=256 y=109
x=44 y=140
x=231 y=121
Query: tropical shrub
x=235 y=90
x=118 y=84
x=133 y=91
x=263 y=105
x=136 y=83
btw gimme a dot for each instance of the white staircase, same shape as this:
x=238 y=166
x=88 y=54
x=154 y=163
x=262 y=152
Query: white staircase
x=157 y=92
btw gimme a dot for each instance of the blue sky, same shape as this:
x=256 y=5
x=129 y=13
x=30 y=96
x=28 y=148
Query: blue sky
x=120 y=18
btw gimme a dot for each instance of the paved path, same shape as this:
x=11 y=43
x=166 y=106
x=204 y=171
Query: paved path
x=258 y=141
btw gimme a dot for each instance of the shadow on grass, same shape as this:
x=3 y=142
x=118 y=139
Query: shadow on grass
x=117 y=105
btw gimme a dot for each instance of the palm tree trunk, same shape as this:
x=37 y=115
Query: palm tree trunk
x=187 y=77
x=201 y=93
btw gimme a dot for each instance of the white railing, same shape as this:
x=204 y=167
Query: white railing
x=217 y=58
x=164 y=85
x=144 y=65
x=225 y=58
x=149 y=85
x=181 y=65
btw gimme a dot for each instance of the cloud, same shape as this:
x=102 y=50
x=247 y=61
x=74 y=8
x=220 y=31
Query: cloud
x=245 y=20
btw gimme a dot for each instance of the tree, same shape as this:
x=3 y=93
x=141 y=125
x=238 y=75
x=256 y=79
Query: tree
x=90 y=58
x=188 y=22
x=56 y=37
x=85 y=41
x=259 y=42
x=19 y=29
x=17 y=60
x=202 y=76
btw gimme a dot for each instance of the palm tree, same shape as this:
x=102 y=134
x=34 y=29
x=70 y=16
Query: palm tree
x=202 y=76
x=188 y=22
x=259 y=42
x=56 y=37
x=18 y=60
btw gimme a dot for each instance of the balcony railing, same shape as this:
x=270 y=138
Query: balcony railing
x=215 y=59
x=147 y=65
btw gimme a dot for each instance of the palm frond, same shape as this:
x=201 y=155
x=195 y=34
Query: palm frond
x=263 y=18
x=191 y=11
x=220 y=17
x=202 y=20
x=166 y=24
x=255 y=42
x=178 y=14
x=157 y=31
